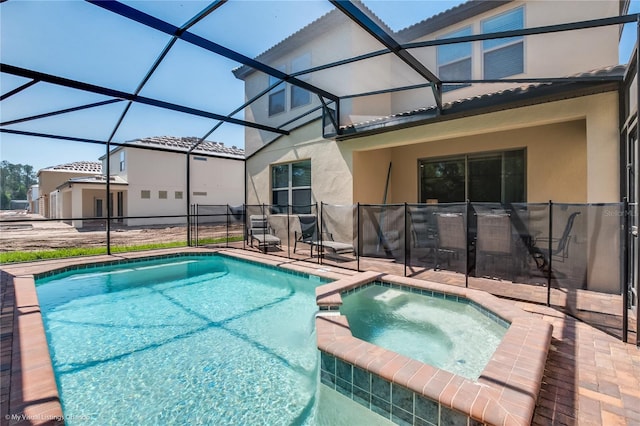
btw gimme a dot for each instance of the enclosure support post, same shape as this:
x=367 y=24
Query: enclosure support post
x=264 y=229
x=244 y=223
x=549 y=247
x=109 y=208
x=321 y=248
x=289 y=210
x=406 y=241
x=188 y=197
x=625 y=269
x=195 y=224
x=228 y=212
x=358 y=236
x=466 y=244
x=319 y=231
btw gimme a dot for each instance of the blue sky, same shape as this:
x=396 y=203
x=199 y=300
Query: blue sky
x=78 y=40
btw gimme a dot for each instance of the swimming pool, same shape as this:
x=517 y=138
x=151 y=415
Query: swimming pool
x=192 y=339
x=448 y=333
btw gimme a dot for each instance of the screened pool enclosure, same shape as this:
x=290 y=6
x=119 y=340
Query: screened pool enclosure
x=88 y=77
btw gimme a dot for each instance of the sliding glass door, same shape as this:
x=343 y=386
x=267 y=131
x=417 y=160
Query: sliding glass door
x=489 y=177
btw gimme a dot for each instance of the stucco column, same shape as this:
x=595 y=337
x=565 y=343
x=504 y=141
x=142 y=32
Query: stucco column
x=76 y=205
x=603 y=186
x=603 y=154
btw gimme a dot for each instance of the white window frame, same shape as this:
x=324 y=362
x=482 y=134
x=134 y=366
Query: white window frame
x=122 y=161
x=290 y=188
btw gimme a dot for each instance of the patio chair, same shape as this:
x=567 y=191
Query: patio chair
x=261 y=232
x=451 y=236
x=308 y=231
x=560 y=252
x=309 y=235
x=494 y=241
x=423 y=234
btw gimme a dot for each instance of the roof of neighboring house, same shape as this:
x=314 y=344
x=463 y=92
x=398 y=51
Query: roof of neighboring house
x=95 y=180
x=90 y=167
x=184 y=143
x=532 y=93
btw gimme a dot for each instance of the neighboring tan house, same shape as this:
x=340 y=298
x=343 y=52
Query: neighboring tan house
x=50 y=178
x=501 y=142
x=153 y=181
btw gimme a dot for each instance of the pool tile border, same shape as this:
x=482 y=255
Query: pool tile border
x=38 y=398
x=408 y=392
x=33 y=395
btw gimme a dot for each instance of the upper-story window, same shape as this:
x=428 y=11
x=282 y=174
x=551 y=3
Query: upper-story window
x=300 y=96
x=297 y=96
x=276 y=96
x=505 y=56
x=122 y=163
x=454 y=60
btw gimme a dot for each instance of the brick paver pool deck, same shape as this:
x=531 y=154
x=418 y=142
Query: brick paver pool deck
x=590 y=378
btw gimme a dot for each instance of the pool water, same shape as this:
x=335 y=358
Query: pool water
x=188 y=340
x=444 y=333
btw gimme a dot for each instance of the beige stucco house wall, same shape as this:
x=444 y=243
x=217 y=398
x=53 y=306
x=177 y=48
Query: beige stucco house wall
x=572 y=144
x=545 y=55
x=582 y=133
x=162 y=177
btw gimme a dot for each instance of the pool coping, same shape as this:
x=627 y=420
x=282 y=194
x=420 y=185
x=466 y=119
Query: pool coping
x=501 y=396
x=507 y=389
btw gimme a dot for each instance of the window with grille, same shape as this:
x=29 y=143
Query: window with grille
x=300 y=96
x=454 y=60
x=503 y=57
x=277 y=95
x=291 y=185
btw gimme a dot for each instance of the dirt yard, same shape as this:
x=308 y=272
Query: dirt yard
x=33 y=234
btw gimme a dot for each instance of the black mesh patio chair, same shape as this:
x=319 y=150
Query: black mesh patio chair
x=451 y=236
x=560 y=252
x=309 y=235
x=494 y=245
x=423 y=235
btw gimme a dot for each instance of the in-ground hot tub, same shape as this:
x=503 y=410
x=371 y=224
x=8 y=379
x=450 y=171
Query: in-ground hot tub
x=404 y=389
x=448 y=332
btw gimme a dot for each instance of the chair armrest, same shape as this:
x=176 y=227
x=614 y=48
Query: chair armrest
x=329 y=236
x=259 y=231
x=545 y=240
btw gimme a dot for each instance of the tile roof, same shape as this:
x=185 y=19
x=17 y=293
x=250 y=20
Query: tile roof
x=606 y=73
x=186 y=142
x=454 y=15
x=316 y=28
x=98 y=179
x=90 y=167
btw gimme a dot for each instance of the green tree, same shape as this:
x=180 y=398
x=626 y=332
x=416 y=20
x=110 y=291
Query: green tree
x=15 y=180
